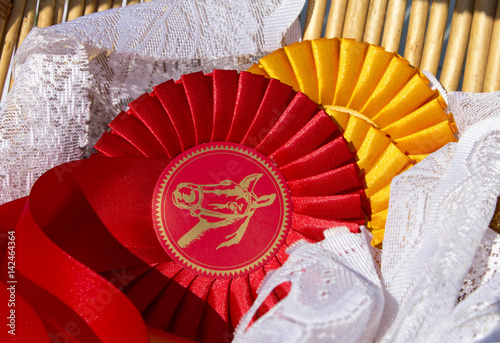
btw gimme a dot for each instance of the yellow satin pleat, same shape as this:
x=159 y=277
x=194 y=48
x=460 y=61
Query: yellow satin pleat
x=437 y=96
x=376 y=62
x=276 y=66
x=341 y=118
x=390 y=164
x=424 y=117
x=395 y=77
x=351 y=58
x=302 y=61
x=326 y=57
x=389 y=116
x=380 y=200
x=356 y=131
x=428 y=140
x=373 y=146
x=255 y=69
x=378 y=226
x=413 y=95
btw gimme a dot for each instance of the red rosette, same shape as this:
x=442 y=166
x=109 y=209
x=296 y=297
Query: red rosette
x=100 y=224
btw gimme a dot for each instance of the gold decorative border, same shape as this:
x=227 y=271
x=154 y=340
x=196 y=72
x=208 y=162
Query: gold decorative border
x=280 y=181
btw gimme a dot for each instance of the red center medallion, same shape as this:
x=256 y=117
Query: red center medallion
x=221 y=209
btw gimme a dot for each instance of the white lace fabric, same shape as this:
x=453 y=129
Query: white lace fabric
x=72 y=79
x=440 y=265
x=437 y=278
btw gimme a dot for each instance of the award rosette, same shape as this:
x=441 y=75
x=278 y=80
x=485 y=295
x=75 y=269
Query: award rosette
x=387 y=111
x=193 y=198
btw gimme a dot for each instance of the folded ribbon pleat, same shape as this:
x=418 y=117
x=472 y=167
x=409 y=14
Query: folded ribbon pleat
x=250 y=92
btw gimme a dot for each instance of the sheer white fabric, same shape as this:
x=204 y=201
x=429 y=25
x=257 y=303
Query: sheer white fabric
x=440 y=265
x=72 y=79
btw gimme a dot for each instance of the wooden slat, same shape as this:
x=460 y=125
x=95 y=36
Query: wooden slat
x=90 y=7
x=394 y=25
x=492 y=78
x=103 y=5
x=28 y=20
x=336 y=17
x=375 y=21
x=457 y=44
x=58 y=12
x=416 y=31
x=5 y=6
x=355 y=19
x=479 y=44
x=348 y=19
x=45 y=13
x=11 y=38
x=314 y=19
x=435 y=36
x=75 y=9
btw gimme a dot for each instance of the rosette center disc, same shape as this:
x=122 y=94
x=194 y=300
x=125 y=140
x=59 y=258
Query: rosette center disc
x=221 y=209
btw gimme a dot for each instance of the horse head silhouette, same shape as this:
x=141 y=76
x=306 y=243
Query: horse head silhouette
x=219 y=205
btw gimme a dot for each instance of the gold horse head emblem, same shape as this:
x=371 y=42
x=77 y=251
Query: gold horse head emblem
x=219 y=205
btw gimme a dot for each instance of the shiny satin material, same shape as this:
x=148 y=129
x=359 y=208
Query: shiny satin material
x=326 y=55
x=409 y=98
x=395 y=77
x=328 y=157
x=376 y=62
x=78 y=289
x=335 y=181
x=144 y=109
x=308 y=139
x=274 y=103
x=351 y=57
x=373 y=146
x=288 y=124
x=248 y=100
x=302 y=62
x=225 y=93
x=198 y=89
x=86 y=234
x=427 y=141
x=174 y=103
x=422 y=118
x=277 y=67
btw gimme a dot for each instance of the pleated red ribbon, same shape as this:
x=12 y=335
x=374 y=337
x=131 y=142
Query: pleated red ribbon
x=89 y=263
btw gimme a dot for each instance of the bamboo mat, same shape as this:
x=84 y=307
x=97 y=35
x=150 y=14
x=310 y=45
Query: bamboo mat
x=468 y=59
x=457 y=40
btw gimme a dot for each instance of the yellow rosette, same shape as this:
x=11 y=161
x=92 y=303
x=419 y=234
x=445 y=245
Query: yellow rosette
x=390 y=116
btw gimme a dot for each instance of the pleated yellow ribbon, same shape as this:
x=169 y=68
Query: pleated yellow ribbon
x=389 y=114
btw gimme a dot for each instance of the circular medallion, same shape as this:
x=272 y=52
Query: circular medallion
x=221 y=209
